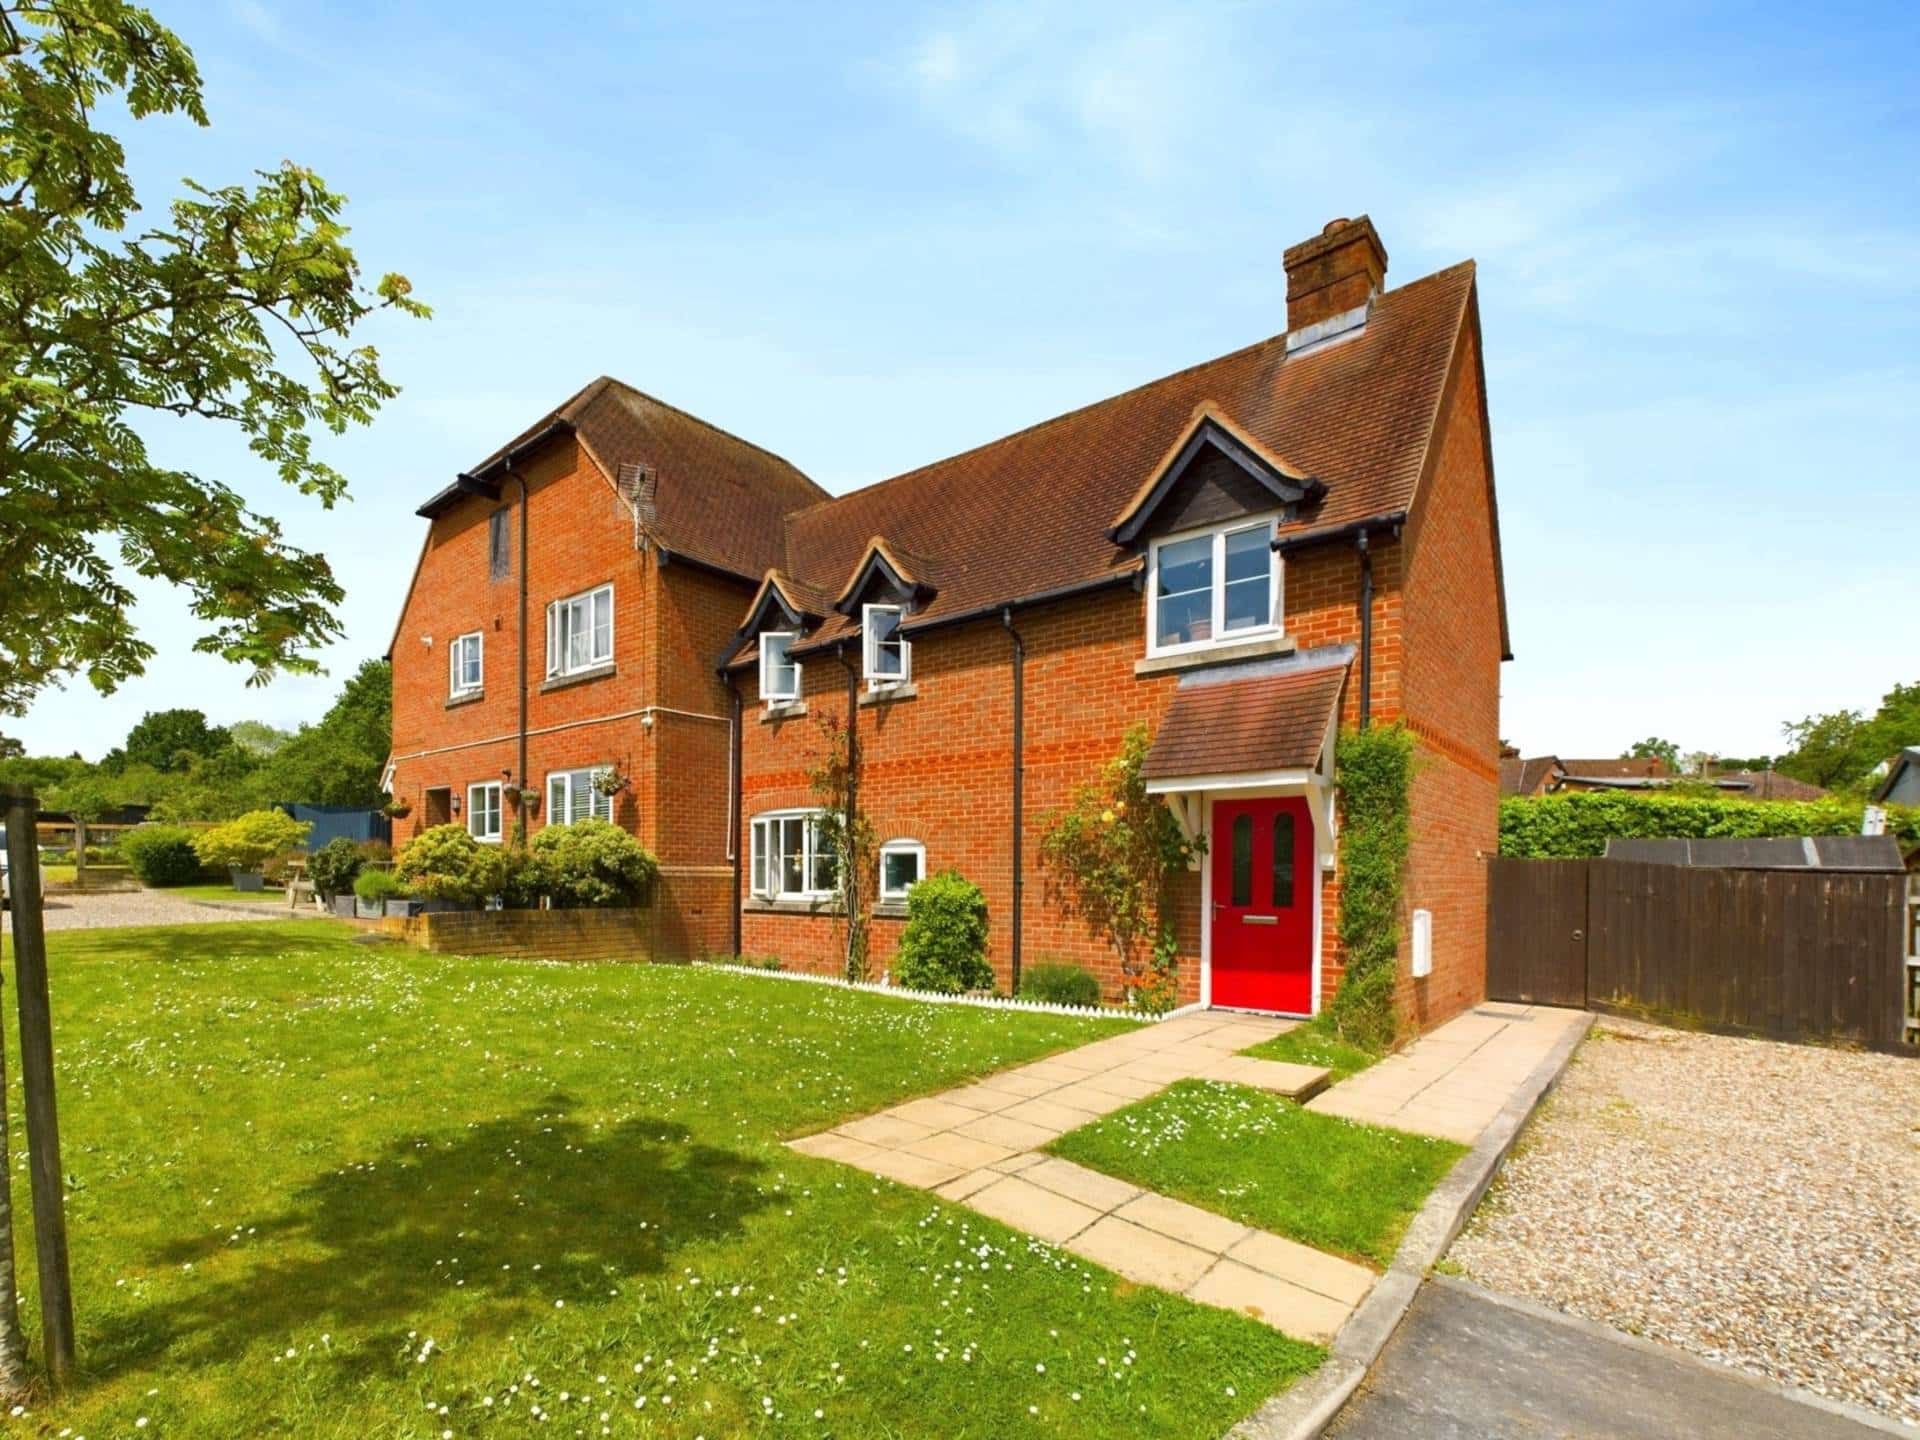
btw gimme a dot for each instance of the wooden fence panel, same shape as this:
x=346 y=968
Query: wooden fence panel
x=1536 y=938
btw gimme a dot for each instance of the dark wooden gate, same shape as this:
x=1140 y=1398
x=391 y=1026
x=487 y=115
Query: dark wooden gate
x=1537 y=931
x=1788 y=953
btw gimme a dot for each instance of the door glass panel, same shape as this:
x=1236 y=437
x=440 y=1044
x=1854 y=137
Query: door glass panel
x=1283 y=860
x=1242 y=860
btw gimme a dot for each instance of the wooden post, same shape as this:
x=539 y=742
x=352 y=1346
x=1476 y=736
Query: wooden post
x=36 y=1079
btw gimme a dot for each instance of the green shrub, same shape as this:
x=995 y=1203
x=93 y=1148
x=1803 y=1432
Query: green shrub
x=161 y=854
x=590 y=863
x=506 y=873
x=944 y=946
x=442 y=863
x=334 y=866
x=377 y=886
x=247 y=843
x=1573 y=826
x=1058 y=983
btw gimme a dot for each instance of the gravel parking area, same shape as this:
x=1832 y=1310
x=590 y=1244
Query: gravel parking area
x=109 y=910
x=1754 y=1203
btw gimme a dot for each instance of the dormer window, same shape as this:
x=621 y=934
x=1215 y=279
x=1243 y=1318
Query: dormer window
x=889 y=656
x=779 y=671
x=1213 y=588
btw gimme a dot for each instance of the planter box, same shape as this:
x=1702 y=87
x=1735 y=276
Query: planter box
x=537 y=934
x=248 y=879
x=404 y=909
x=346 y=906
x=367 y=909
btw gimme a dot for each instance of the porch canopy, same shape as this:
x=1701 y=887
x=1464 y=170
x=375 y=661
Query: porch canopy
x=1266 y=727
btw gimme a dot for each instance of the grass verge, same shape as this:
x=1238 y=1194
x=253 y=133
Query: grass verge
x=327 y=1189
x=1248 y=1154
x=215 y=890
x=1315 y=1044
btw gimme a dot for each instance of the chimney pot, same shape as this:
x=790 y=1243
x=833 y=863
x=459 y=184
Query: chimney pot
x=1340 y=269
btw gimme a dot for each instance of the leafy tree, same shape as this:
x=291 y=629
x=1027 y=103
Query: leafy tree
x=172 y=739
x=256 y=737
x=1654 y=748
x=1829 y=750
x=11 y=749
x=338 y=760
x=239 y=307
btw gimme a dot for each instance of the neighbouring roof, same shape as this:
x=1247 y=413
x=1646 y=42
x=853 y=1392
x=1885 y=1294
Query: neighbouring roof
x=1767 y=785
x=703 y=493
x=1028 y=515
x=1525 y=776
x=1232 y=722
x=1872 y=853
x=1627 y=767
x=1907 y=757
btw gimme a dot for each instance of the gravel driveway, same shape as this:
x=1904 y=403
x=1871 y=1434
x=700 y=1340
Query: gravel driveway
x=108 y=910
x=1754 y=1203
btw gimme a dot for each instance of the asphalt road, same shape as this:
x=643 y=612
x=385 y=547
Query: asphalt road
x=1468 y=1364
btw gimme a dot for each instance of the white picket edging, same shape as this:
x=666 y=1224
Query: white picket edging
x=931 y=997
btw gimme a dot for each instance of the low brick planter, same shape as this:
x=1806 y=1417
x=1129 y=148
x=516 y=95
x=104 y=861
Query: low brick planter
x=530 y=934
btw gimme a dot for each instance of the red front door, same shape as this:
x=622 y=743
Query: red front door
x=1263 y=905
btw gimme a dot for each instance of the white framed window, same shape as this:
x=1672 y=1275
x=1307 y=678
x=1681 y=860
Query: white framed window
x=580 y=632
x=791 y=860
x=483 y=811
x=1213 y=587
x=779 y=671
x=464 y=669
x=903 y=865
x=571 y=796
x=888 y=656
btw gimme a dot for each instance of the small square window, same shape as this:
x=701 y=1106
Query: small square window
x=888 y=654
x=903 y=865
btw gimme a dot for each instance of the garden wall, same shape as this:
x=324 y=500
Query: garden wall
x=531 y=934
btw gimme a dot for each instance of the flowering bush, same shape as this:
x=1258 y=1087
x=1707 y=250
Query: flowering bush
x=160 y=854
x=441 y=864
x=248 y=842
x=944 y=946
x=590 y=863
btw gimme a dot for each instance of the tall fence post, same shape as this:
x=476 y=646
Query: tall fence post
x=24 y=892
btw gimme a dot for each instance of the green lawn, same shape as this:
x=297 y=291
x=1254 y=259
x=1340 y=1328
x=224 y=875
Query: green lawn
x=1264 y=1161
x=1310 y=1044
x=217 y=890
x=322 y=1188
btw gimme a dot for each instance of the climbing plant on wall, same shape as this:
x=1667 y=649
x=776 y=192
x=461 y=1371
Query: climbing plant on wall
x=1374 y=772
x=848 y=837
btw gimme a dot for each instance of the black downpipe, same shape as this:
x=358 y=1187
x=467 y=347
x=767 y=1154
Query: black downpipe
x=520 y=777
x=1366 y=628
x=851 y=882
x=733 y=806
x=1019 y=784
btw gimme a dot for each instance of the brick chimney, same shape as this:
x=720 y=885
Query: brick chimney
x=1338 y=270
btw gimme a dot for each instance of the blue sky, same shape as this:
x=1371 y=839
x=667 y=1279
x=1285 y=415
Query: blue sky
x=868 y=237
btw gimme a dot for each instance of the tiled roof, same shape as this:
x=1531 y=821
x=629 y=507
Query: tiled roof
x=1028 y=514
x=1221 y=725
x=1525 y=777
x=709 y=495
x=1770 y=785
x=1630 y=767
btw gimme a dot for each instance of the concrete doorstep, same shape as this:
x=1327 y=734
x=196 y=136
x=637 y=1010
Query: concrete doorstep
x=1304 y=1411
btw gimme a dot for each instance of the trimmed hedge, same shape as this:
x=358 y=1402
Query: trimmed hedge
x=160 y=854
x=1578 y=825
x=588 y=864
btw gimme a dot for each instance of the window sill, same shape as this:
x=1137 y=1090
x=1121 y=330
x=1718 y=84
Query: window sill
x=757 y=905
x=886 y=695
x=890 y=910
x=578 y=677
x=1224 y=654
x=465 y=697
x=783 y=710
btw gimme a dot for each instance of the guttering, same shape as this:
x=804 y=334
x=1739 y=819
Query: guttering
x=1391 y=520
x=733 y=803
x=478 y=483
x=520 y=774
x=1019 y=784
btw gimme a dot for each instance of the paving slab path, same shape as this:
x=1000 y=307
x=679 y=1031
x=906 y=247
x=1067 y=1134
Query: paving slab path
x=1452 y=1081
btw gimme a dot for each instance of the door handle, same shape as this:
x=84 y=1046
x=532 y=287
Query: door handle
x=1259 y=919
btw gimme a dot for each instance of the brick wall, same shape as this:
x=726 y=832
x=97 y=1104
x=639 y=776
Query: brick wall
x=532 y=934
x=1453 y=703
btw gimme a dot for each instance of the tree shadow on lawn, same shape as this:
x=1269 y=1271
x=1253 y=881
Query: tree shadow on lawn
x=511 y=1214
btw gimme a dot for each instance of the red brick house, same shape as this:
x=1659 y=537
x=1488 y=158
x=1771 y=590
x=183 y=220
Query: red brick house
x=1243 y=555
